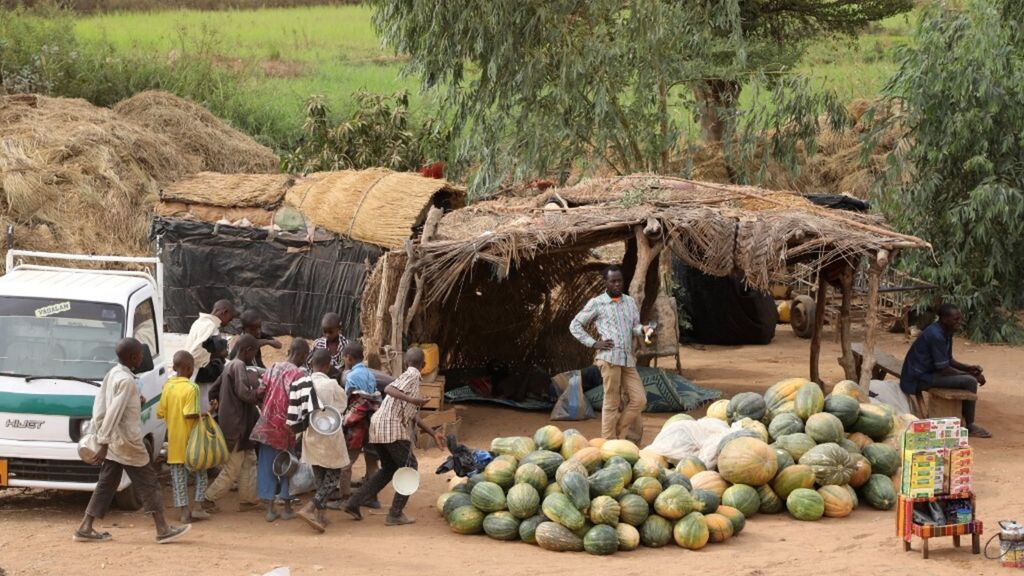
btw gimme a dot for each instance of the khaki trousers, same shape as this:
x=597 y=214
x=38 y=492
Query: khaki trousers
x=241 y=466
x=624 y=402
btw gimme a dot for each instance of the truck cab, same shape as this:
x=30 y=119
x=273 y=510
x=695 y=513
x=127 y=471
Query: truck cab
x=58 y=330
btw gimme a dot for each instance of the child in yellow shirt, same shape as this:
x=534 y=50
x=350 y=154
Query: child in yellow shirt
x=179 y=407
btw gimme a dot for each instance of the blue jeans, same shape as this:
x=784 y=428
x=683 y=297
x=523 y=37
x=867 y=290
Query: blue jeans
x=269 y=486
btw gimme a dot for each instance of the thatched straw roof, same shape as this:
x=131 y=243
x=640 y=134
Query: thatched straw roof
x=230 y=190
x=375 y=206
x=715 y=228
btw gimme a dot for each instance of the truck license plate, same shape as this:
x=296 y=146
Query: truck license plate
x=3 y=472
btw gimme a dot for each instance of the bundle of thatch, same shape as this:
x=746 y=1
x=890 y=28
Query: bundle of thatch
x=216 y=146
x=246 y=199
x=79 y=178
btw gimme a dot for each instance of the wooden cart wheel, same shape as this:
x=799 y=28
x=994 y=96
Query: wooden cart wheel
x=801 y=316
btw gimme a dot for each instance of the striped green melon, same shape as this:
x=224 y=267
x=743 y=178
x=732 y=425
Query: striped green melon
x=488 y=497
x=501 y=471
x=853 y=495
x=845 y=408
x=443 y=498
x=533 y=475
x=572 y=442
x=557 y=538
x=738 y=520
x=719 y=410
x=785 y=423
x=606 y=482
x=879 y=492
x=629 y=537
x=861 y=471
x=780 y=397
x=745 y=405
x=582 y=530
x=831 y=464
x=646 y=488
x=824 y=427
x=501 y=526
x=861 y=440
x=681 y=417
x=605 y=510
x=528 y=528
x=558 y=508
x=655 y=532
x=621 y=448
x=458 y=500
x=849 y=388
x=691 y=531
x=755 y=426
x=875 y=420
x=784 y=459
x=590 y=458
x=884 y=459
x=805 y=504
x=709 y=480
x=633 y=509
x=548 y=437
x=547 y=460
x=770 y=503
x=473 y=481
x=796 y=444
x=797 y=476
x=747 y=461
x=690 y=465
x=552 y=488
x=518 y=446
x=838 y=503
x=648 y=467
x=850 y=446
x=673 y=478
x=673 y=503
x=624 y=468
x=601 y=540
x=466 y=520
x=742 y=497
x=719 y=527
x=575 y=485
x=809 y=400
x=462 y=487
x=523 y=500
x=569 y=466
x=705 y=501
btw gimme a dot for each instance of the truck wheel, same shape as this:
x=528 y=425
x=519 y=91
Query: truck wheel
x=127 y=499
x=801 y=316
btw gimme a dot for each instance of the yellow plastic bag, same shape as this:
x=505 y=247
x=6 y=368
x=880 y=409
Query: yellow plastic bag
x=206 y=446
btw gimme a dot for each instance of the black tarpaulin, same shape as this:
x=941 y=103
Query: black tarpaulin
x=723 y=310
x=292 y=282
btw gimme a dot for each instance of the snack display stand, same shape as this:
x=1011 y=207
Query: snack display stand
x=937 y=470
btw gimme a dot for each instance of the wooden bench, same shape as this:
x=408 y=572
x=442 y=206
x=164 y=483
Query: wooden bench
x=947 y=402
x=885 y=363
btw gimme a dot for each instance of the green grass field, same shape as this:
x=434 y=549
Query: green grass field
x=290 y=53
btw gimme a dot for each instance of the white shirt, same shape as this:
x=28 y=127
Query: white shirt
x=117 y=418
x=202 y=329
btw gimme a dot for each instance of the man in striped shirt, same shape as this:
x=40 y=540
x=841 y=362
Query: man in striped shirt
x=617 y=320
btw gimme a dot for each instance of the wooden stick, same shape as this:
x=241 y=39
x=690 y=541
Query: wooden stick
x=645 y=255
x=871 y=334
x=429 y=229
x=398 y=310
x=821 y=301
x=846 y=360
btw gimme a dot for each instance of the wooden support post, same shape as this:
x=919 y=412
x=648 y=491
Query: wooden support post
x=881 y=260
x=429 y=229
x=821 y=301
x=398 y=310
x=645 y=255
x=846 y=360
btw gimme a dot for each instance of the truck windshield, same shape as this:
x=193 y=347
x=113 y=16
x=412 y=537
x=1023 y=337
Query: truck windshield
x=48 y=337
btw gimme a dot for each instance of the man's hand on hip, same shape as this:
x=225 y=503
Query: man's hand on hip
x=604 y=345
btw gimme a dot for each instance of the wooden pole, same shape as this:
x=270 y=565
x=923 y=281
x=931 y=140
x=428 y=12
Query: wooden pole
x=645 y=255
x=821 y=301
x=871 y=330
x=429 y=228
x=398 y=309
x=846 y=360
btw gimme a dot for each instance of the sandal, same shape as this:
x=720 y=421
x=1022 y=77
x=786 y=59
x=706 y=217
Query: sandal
x=978 y=432
x=173 y=534
x=92 y=536
x=353 y=512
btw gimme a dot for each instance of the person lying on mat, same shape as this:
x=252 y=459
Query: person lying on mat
x=930 y=364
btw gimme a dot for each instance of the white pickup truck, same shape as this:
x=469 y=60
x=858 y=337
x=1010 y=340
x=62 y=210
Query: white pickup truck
x=58 y=329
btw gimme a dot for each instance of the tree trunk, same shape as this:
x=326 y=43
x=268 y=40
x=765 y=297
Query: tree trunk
x=819 y=324
x=398 y=310
x=715 y=96
x=846 y=360
x=871 y=331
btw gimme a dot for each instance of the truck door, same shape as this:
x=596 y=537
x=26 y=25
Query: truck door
x=144 y=329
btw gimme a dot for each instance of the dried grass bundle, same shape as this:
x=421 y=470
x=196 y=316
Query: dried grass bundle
x=230 y=190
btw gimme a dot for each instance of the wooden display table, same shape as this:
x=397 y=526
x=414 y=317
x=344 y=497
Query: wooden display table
x=907 y=529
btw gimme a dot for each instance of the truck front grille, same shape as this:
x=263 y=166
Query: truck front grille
x=52 y=470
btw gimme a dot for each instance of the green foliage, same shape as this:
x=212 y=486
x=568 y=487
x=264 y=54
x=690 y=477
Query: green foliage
x=539 y=87
x=379 y=133
x=958 y=179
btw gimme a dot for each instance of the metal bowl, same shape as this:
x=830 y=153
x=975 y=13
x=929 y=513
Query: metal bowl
x=326 y=421
x=285 y=465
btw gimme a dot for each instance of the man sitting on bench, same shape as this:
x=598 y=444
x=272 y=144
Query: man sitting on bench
x=930 y=364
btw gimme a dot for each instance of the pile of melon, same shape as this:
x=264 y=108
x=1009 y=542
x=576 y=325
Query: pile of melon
x=813 y=455
x=792 y=449
x=564 y=493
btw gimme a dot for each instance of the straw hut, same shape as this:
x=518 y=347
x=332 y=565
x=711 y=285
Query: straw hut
x=502 y=279
x=292 y=247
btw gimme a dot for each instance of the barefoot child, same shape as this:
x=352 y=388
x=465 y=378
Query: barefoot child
x=179 y=407
x=327 y=454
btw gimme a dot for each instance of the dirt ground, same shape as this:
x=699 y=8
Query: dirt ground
x=36 y=527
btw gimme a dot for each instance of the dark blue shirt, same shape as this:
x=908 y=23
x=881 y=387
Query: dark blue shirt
x=931 y=352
